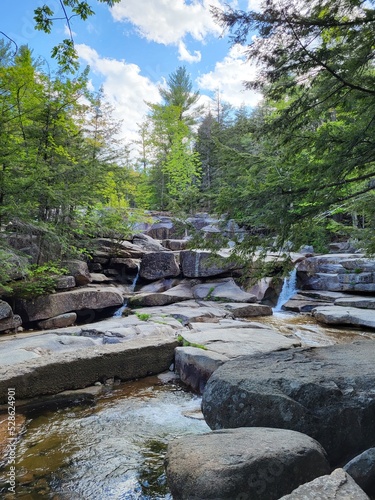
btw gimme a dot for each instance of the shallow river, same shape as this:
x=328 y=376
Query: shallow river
x=115 y=449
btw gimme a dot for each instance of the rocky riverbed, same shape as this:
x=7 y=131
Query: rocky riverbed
x=258 y=379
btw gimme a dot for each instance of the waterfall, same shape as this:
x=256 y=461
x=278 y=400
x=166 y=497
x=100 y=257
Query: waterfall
x=118 y=313
x=288 y=290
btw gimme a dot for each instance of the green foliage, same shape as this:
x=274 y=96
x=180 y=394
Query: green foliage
x=186 y=343
x=38 y=281
x=45 y=16
x=143 y=316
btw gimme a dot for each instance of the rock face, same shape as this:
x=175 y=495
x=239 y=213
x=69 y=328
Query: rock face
x=256 y=464
x=325 y=392
x=74 y=300
x=200 y=264
x=338 y=485
x=157 y=265
x=362 y=470
x=339 y=272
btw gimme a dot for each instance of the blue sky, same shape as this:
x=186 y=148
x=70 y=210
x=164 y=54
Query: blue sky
x=133 y=47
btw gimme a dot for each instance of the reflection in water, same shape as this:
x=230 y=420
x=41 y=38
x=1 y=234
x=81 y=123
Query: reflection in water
x=112 y=451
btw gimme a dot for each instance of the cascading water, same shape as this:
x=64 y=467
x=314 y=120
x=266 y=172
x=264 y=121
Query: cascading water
x=118 y=313
x=288 y=290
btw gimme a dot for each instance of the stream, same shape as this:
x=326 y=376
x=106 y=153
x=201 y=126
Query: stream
x=115 y=450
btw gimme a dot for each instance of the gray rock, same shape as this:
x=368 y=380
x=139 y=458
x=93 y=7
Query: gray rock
x=79 y=270
x=337 y=315
x=65 y=283
x=300 y=303
x=49 y=306
x=324 y=392
x=161 y=230
x=256 y=464
x=107 y=248
x=11 y=323
x=266 y=290
x=362 y=470
x=220 y=343
x=359 y=264
x=131 y=265
x=100 y=278
x=324 y=295
x=79 y=368
x=175 y=245
x=153 y=299
x=355 y=301
x=248 y=310
x=5 y=310
x=148 y=244
x=61 y=321
x=195 y=366
x=156 y=265
x=337 y=485
x=190 y=311
x=226 y=290
x=235 y=342
x=201 y=264
x=159 y=285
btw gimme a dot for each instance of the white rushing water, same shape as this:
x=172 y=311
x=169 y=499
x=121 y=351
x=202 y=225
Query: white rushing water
x=288 y=290
x=120 y=310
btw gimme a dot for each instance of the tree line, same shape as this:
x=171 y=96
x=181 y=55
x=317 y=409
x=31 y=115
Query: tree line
x=298 y=169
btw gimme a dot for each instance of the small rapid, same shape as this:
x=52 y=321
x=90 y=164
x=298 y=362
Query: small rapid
x=289 y=289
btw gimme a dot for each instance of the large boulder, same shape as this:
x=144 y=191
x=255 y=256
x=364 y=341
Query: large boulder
x=324 y=392
x=338 y=485
x=219 y=343
x=49 y=306
x=157 y=265
x=362 y=470
x=256 y=464
x=202 y=264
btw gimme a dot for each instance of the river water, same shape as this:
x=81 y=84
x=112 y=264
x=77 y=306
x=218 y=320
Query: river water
x=115 y=449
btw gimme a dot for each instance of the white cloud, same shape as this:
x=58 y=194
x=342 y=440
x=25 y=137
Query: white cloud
x=169 y=21
x=125 y=88
x=255 y=5
x=67 y=31
x=185 y=55
x=229 y=76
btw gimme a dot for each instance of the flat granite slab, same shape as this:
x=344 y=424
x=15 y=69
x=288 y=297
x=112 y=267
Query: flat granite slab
x=340 y=315
x=79 y=368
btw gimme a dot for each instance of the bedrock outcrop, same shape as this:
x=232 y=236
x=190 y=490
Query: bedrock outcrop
x=325 y=392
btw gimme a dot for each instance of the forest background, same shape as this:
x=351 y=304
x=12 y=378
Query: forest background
x=298 y=169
